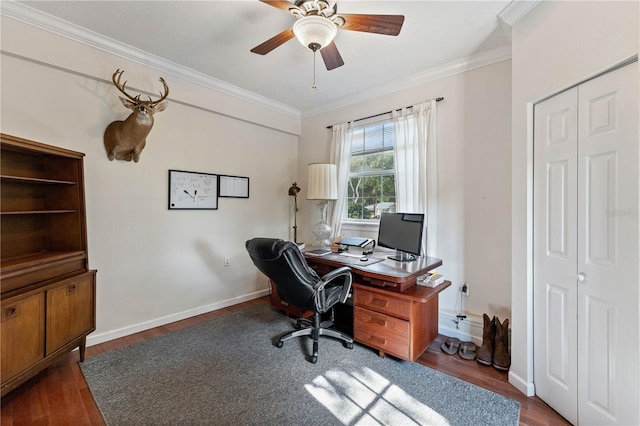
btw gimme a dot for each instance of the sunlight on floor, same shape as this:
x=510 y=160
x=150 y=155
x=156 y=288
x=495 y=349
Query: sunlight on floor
x=365 y=397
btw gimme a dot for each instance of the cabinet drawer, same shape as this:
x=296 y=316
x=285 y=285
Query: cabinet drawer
x=384 y=303
x=381 y=323
x=70 y=311
x=22 y=334
x=380 y=337
x=44 y=272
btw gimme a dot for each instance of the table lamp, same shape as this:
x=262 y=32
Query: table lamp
x=323 y=186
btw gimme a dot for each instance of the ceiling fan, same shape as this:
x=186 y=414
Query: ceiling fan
x=317 y=23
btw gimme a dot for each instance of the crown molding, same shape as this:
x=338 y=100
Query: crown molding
x=508 y=17
x=436 y=73
x=517 y=10
x=513 y=12
x=23 y=13
x=49 y=23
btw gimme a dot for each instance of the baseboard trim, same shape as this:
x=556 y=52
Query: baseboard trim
x=98 y=338
x=468 y=329
x=526 y=388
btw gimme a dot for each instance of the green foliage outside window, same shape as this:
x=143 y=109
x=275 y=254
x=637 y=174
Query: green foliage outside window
x=371 y=188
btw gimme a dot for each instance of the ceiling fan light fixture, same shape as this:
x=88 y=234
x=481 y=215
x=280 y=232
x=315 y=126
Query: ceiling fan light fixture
x=314 y=30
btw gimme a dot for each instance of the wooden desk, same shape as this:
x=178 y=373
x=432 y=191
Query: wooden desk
x=390 y=312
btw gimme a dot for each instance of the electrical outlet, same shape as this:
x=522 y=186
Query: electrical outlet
x=465 y=289
x=227 y=261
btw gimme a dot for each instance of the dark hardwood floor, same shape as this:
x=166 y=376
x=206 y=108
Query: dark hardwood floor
x=60 y=396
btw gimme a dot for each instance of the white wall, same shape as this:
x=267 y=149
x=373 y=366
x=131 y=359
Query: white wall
x=474 y=182
x=557 y=45
x=154 y=266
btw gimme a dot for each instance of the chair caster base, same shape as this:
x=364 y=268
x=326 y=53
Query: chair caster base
x=314 y=331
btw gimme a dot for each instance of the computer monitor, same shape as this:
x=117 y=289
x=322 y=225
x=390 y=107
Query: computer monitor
x=403 y=233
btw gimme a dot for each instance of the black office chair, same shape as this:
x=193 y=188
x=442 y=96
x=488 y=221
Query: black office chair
x=300 y=286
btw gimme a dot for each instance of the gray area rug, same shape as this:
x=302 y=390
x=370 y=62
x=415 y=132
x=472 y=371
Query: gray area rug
x=226 y=371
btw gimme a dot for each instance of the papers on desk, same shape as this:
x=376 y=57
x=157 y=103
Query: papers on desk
x=431 y=279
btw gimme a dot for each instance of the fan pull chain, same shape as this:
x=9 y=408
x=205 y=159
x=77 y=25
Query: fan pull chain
x=313 y=86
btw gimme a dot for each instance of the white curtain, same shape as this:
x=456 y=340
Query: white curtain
x=416 y=166
x=340 y=155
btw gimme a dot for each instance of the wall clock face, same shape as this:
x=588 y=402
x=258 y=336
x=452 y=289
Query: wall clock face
x=192 y=190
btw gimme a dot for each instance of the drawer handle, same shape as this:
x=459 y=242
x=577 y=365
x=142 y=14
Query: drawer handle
x=379 y=321
x=373 y=281
x=72 y=288
x=379 y=340
x=380 y=302
x=10 y=311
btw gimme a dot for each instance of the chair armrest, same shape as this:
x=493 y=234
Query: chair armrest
x=326 y=279
x=344 y=270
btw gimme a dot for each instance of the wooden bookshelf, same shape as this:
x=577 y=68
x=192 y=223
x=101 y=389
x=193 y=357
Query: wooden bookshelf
x=47 y=292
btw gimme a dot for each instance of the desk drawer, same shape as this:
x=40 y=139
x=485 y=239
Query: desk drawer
x=384 y=303
x=381 y=331
x=380 y=323
x=321 y=269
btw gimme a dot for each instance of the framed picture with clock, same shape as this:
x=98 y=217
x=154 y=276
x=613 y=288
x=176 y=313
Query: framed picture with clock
x=192 y=190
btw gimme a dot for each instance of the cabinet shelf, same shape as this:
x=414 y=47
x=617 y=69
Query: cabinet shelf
x=25 y=212
x=31 y=260
x=30 y=180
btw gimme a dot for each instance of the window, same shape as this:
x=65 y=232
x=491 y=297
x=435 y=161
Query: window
x=371 y=188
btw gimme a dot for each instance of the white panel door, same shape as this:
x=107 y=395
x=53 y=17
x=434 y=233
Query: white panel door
x=608 y=249
x=587 y=251
x=555 y=252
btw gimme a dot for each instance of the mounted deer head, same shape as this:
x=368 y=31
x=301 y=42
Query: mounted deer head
x=125 y=140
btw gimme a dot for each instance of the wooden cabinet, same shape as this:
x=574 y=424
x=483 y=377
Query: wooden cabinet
x=391 y=312
x=400 y=324
x=47 y=292
x=70 y=310
x=22 y=334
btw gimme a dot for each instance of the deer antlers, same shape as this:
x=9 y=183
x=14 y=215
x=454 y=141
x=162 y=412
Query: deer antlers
x=125 y=140
x=121 y=87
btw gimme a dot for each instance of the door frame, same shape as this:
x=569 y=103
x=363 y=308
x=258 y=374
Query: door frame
x=526 y=384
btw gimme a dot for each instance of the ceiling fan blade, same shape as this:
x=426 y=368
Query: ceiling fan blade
x=273 y=42
x=379 y=24
x=331 y=56
x=280 y=4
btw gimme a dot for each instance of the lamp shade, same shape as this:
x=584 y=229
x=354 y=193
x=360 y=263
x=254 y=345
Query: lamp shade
x=323 y=182
x=314 y=30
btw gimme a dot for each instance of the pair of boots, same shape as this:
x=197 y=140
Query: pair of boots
x=495 y=344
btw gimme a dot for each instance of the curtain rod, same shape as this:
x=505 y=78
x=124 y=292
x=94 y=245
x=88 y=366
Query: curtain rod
x=440 y=99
